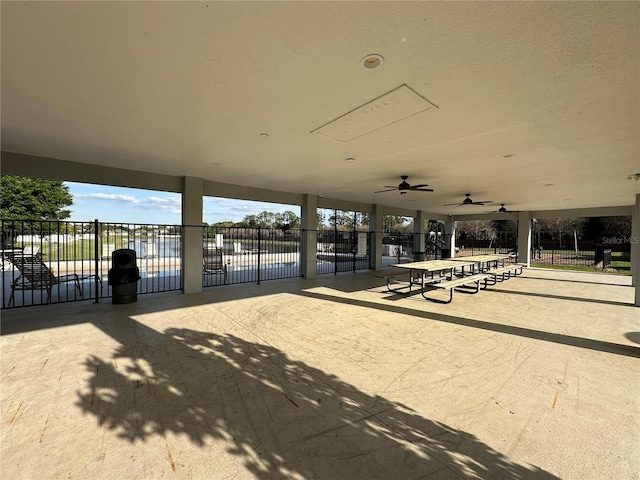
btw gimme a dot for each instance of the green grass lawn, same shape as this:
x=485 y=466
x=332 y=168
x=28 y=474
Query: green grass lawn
x=582 y=268
x=620 y=261
x=76 y=251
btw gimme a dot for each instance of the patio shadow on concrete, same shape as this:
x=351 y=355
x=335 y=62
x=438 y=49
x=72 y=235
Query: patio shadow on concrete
x=281 y=417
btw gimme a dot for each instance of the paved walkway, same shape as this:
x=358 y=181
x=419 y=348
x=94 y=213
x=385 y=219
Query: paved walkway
x=535 y=378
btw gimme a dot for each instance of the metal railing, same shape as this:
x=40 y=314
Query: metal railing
x=342 y=251
x=503 y=242
x=78 y=255
x=572 y=251
x=254 y=254
x=70 y=261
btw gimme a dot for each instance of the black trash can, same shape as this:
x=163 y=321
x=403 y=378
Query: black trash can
x=603 y=254
x=418 y=256
x=445 y=253
x=124 y=276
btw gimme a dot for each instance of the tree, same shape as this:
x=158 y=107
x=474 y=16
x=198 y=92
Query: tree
x=225 y=224
x=397 y=224
x=597 y=227
x=617 y=226
x=33 y=199
x=476 y=229
x=266 y=219
x=560 y=228
x=287 y=220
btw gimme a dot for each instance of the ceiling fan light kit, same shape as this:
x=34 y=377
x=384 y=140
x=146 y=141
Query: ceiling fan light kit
x=468 y=201
x=404 y=187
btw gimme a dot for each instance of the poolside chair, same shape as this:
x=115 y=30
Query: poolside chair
x=9 y=255
x=213 y=262
x=35 y=275
x=31 y=250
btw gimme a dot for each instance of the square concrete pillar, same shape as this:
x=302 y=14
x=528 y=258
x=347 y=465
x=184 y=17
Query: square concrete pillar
x=450 y=229
x=524 y=238
x=375 y=229
x=192 y=191
x=419 y=232
x=309 y=224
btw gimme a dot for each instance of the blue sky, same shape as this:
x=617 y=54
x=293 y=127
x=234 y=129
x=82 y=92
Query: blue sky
x=130 y=205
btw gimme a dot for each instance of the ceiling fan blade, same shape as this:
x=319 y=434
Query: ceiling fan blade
x=483 y=202
x=388 y=190
x=421 y=189
x=419 y=186
x=452 y=204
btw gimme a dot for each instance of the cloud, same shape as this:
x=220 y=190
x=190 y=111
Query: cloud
x=126 y=205
x=172 y=203
x=221 y=209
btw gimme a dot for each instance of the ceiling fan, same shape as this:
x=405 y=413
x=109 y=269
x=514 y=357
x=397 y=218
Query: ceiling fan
x=404 y=187
x=502 y=209
x=468 y=201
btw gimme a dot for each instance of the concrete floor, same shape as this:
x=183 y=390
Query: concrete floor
x=335 y=378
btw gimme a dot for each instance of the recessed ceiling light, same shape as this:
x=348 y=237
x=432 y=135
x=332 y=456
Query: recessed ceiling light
x=350 y=159
x=372 y=61
x=264 y=134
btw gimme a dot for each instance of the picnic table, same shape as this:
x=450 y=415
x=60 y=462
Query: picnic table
x=489 y=264
x=485 y=262
x=435 y=274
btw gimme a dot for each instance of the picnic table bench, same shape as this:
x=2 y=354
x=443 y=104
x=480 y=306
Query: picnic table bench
x=391 y=274
x=504 y=273
x=457 y=282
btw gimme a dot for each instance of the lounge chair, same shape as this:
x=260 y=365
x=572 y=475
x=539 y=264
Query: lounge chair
x=213 y=262
x=31 y=250
x=9 y=255
x=35 y=275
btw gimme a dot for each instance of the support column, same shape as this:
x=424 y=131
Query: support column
x=635 y=249
x=524 y=238
x=418 y=232
x=192 y=191
x=450 y=229
x=375 y=230
x=309 y=224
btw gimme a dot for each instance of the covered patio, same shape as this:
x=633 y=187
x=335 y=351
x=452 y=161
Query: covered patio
x=530 y=105
x=332 y=378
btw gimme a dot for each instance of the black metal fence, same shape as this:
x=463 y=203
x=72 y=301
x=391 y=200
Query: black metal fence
x=342 y=251
x=505 y=241
x=253 y=254
x=571 y=250
x=55 y=262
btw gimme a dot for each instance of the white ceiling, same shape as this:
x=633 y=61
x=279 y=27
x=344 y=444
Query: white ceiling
x=535 y=105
